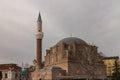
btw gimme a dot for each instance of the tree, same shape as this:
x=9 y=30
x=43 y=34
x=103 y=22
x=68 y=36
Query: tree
x=89 y=60
x=116 y=71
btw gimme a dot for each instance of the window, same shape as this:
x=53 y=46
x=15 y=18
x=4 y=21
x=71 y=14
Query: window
x=16 y=75
x=109 y=63
x=0 y=74
x=6 y=75
x=52 y=60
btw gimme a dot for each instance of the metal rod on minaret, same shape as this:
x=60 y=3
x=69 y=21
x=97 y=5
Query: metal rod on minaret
x=39 y=37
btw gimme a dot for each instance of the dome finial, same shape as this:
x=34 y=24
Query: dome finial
x=39 y=17
x=70 y=34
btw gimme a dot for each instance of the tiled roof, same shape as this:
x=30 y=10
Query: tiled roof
x=8 y=66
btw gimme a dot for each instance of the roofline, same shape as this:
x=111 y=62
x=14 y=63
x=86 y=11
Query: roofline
x=112 y=57
x=9 y=64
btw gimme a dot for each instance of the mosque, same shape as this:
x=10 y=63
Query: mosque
x=70 y=59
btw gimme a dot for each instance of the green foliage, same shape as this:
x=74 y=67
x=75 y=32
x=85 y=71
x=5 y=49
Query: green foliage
x=116 y=69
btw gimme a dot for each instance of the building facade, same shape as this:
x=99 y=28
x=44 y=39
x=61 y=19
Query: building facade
x=109 y=62
x=71 y=58
x=10 y=72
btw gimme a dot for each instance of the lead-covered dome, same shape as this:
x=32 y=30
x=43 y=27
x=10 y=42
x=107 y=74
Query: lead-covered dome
x=71 y=40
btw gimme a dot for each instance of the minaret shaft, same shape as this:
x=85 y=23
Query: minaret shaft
x=39 y=52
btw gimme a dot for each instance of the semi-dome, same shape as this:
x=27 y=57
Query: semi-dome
x=71 y=40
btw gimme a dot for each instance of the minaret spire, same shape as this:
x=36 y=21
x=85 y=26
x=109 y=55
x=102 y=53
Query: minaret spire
x=39 y=18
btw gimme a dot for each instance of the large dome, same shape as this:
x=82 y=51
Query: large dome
x=71 y=40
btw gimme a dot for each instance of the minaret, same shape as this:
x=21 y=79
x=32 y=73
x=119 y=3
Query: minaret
x=39 y=37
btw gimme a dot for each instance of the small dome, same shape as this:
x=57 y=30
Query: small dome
x=71 y=40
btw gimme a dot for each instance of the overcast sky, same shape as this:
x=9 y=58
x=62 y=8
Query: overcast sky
x=95 y=21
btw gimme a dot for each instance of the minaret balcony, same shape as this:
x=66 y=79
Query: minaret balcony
x=39 y=35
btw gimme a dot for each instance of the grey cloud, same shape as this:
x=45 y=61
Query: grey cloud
x=95 y=21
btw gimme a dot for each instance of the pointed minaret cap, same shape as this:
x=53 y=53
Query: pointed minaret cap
x=39 y=18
